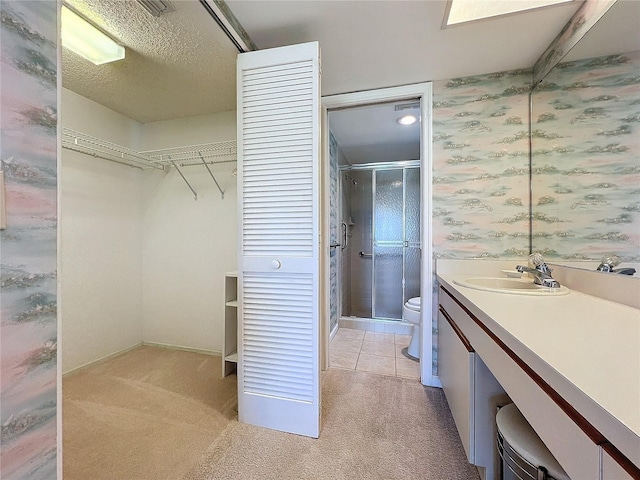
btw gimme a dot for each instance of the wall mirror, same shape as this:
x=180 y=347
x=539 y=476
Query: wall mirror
x=585 y=144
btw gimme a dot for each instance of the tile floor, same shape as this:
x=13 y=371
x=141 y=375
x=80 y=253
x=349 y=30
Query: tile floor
x=372 y=352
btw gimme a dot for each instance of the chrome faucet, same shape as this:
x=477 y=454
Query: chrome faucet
x=610 y=261
x=540 y=271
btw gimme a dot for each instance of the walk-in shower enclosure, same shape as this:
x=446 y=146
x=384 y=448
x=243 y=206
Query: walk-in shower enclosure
x=379 y=239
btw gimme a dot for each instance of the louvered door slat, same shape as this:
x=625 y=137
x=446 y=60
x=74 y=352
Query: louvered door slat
x=259 y=121
x=291 y=348
x=278 y=165
x=275 y=126
x=259 y=79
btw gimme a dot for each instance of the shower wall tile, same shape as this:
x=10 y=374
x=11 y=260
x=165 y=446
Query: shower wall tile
x=333 y=230
x=361 y=269
x=586 y=160
x=28 y=290
x=345 y=255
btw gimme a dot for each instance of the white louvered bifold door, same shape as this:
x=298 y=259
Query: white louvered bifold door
x=278 y=274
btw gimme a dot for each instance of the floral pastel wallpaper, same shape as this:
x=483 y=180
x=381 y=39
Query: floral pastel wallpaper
x=589 y=13
x=28 y=298
x=586 y=159
x=586 y=163
x=480 y=189
x=481 y=166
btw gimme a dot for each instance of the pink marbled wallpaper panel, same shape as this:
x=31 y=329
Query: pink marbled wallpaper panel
x=28 y=328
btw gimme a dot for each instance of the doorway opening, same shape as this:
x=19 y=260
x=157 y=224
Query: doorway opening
x=377 y=214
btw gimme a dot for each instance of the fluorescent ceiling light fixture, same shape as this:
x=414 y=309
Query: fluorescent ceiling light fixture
x=407 y=120
x=460 y=11
x=79 y=36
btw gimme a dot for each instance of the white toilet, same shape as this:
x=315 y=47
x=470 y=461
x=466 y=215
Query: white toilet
x=411 y=314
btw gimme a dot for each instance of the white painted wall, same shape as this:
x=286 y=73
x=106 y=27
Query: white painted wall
x=188 y=244
x=141 y=260
x=100 y=240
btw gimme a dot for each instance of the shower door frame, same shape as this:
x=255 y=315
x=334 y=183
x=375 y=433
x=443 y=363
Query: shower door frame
x=403 y=165
x=423 y=91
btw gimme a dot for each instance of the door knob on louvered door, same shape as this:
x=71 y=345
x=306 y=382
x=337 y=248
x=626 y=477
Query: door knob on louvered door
x=276 y=264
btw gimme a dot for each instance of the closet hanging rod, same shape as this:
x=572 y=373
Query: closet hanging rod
x=189 y=155
x=177 y=157
x=95 y=153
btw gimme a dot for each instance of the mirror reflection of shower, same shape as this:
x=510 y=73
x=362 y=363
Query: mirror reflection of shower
x=376 y=215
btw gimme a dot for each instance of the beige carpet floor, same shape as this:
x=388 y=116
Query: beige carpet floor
x=373 y=427
x=153 y=413
x=147 y=414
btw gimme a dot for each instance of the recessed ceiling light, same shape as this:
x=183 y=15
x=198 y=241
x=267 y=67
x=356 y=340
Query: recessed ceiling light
x=460 y=11
x=407 y=120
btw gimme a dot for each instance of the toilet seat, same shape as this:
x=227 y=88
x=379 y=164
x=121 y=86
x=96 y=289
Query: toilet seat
x=413 y=304
x=411 y=314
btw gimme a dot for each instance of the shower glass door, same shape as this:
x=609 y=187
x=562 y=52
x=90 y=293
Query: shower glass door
x=411 y=234
x=380 y=265
x=388 y=233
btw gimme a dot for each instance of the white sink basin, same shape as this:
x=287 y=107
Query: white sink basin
x=510 y=285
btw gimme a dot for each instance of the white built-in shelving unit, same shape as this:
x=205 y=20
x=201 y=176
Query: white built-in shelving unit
x=230 y=345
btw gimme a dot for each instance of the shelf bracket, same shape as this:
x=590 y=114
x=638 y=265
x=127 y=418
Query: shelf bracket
x=211 y=173
x=195 y=195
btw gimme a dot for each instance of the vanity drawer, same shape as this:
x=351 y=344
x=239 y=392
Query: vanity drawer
x=456 y=374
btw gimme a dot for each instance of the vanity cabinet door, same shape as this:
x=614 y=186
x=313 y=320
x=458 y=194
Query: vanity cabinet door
x=611 y=470
x=456 y=372
x=472 y=392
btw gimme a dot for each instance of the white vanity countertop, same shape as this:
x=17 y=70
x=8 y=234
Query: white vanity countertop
x=586 y=348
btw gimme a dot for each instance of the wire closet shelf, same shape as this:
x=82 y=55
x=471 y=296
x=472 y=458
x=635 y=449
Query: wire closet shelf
x=97 y=147
x=208 y=153
x=191 y=155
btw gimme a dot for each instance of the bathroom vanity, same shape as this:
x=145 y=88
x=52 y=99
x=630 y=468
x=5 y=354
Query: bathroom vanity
x=570 y=363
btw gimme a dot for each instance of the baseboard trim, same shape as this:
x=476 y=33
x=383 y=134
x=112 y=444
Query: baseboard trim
x=132 y=347
x=184 y=349
x=334 y=331
x=100 y=360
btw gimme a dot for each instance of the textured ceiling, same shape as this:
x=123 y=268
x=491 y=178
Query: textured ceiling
x=176 y=65
x=182 y=64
